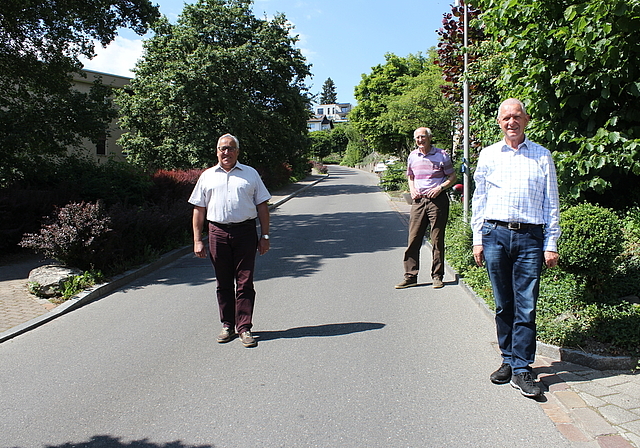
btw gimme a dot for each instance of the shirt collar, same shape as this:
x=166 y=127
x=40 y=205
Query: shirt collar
x=524 y=145
x=430 y=152
x=218 y=167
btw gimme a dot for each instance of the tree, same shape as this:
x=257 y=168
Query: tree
x=397 y=97
x=219 y=69
x=328 y=95
x=574 y=64
x=329 y=141
x=485 y=62
x=40 y=46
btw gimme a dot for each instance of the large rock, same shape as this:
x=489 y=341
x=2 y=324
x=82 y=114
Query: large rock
x=46 y=281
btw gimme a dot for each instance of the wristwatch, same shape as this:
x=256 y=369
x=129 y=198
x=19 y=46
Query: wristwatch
x=266 y=237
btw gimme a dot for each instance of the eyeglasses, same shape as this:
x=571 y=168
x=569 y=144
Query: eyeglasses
x=227 y=149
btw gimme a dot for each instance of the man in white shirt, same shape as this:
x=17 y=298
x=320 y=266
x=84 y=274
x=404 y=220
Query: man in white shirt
x=229 y=196
x=515 y=231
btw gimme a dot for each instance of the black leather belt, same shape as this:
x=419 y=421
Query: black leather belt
x=233 y=224
x=513 y=225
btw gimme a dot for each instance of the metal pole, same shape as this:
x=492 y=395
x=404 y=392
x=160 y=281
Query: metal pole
x=465 y=130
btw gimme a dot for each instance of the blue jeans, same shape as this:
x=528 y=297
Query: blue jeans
x=514 y=261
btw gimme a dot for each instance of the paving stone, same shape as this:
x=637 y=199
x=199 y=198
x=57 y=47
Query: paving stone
x=570 y=377
x=614 y=379
x=624 y=401
x=570 y=399
x=617 y=415
x=633 y=427
x=573 y=433
x=631 y=388
x=592 y=422
x=593 y=388
x=633 y=438
x=614 y=441
x=592 y=401
x=558 y=415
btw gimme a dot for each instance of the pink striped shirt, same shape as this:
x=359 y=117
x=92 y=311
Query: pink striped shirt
x=429 y=170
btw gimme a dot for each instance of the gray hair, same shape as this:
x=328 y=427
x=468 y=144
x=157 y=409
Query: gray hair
x=233 y=137
x=512 y=101
x=427 y=131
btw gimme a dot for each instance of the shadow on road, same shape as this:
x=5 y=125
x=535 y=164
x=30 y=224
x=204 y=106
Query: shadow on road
x=319 y=330
x=105 y=441
x=300 y=243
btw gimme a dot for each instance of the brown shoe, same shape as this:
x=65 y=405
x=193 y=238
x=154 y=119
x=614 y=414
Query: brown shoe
x=437 y=283
x=226 y=335
x=247 y=339
x=407 y=283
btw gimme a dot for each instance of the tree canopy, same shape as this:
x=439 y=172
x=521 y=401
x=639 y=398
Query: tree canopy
x=40 y=46
x=396 y=98
x=574 y=63
x=218 y=70
x=329 y=94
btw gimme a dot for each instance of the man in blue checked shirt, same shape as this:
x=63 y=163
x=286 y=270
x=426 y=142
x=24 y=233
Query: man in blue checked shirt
x=515 y=232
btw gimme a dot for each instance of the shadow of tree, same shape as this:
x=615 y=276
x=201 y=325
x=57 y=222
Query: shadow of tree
x=325 y=330
x=106 y=441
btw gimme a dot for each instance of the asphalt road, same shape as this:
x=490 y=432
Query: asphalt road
x=343 y=360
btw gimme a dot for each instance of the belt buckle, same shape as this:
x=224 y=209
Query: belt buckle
x=513 y=225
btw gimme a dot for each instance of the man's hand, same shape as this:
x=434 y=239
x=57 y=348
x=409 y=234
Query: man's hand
x=551 y=258
x=478 y=254
x=263 y=246
x=199 y=249
x=434 y=192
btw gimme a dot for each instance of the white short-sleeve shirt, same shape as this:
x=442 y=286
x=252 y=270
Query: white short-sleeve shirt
x=230 y=197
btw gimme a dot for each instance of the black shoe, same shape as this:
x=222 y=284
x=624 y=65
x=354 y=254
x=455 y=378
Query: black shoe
x=524 y=382
x=502 y=375
x=407 y=282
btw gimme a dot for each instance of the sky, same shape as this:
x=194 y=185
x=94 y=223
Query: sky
x=341 y=39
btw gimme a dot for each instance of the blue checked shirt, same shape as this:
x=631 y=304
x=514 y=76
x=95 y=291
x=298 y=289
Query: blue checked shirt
x=517 y=186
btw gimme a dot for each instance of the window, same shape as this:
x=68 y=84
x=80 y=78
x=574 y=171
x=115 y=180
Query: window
x=101 y=146
x=320 y=111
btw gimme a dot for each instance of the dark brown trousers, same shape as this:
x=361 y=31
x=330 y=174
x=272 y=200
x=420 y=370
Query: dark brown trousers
x=427 y=213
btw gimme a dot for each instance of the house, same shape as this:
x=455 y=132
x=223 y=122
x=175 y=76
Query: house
x=319 y=123
x=107 y=147
x=326 y=115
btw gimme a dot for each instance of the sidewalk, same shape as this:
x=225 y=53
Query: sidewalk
x=591 y=408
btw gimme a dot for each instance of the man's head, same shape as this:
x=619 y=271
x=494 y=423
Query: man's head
x=513 y=119
x=422 y=137
x=228 y=150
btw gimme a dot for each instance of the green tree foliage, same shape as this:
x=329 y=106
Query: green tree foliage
x=575 y=64
x=40 y=46
x=397 y=97
x=485 y=62
x=328 y=95
x=330 y=141
x=219 y=69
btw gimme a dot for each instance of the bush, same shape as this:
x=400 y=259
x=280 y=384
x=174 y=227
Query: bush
x=394 y=178
x=74 y=236
x=591 y=240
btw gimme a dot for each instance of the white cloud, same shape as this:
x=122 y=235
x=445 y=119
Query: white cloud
x=119 y=58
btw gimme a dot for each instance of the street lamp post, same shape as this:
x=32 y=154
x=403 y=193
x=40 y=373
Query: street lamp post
x=465 y=118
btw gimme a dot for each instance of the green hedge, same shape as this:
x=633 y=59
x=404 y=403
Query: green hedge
x=578 y=307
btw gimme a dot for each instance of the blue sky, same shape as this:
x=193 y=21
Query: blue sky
x=341 y=39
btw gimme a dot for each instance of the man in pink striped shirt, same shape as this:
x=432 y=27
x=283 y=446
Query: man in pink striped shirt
x=430 y=173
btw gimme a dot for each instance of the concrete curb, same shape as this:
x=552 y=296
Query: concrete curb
x=98 y=291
